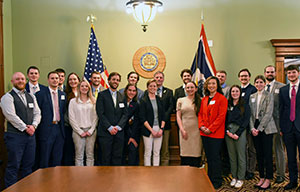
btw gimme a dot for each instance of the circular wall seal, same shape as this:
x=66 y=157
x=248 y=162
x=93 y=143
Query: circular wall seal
x=148 y=60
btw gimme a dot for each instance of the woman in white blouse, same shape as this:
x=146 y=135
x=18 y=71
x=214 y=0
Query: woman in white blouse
x=83 y=119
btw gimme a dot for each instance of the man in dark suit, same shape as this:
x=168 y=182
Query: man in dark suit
x=33 y=86
x=111 y=111
x=166 y=96
x=273 y=87
x=186 y=76
x=50 y=133
x=289 y=108
x=23 y=115
x=248 y=89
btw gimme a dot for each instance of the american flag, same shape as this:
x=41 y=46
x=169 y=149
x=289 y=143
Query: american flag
x=94 y=61
x=203 y=65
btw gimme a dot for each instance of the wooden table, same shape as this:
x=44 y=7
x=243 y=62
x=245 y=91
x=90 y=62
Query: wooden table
x=116 y=179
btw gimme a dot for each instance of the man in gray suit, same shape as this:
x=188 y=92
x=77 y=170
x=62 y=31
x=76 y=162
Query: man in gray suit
x=273 y=87
x=222 y=76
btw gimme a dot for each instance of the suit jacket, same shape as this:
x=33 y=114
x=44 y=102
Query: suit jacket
x=226 y=91
x=167 y=102
x=285 y=107
x=275 y=92
x=45 y=103
x=108 y=114
x=213 y=115
x=147 y=114
x=265 y=113
x=246 y=92
x=132 y=130
x=42 y=87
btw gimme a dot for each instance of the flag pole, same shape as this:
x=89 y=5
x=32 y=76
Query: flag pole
x=202 y=16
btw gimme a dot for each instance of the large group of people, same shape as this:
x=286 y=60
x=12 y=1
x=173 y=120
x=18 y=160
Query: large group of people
x=81 y=123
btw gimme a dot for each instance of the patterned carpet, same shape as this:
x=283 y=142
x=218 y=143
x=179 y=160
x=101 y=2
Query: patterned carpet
x=249 y=185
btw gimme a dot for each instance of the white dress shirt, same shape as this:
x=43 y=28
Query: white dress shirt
x=9 y=111
x=32 y=89
x=53 y=106
x=82 y=115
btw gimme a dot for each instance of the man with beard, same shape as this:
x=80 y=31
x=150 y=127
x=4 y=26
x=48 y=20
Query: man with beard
x=248 y=89
x=33 y=86
x=273 y=87
x=96 y=83
x=23 y=115
x=112 y=116
x=186 y=76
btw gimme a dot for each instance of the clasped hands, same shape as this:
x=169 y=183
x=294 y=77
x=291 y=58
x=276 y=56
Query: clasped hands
x=233 y=136
x=205 y=130
x=30 y=129
x=157 y=134
x=254 y=132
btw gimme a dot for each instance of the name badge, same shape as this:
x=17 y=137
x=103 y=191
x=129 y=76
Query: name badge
x=212 y=102
x=121 y=105
x=243 y=94
x=62 y=97
x=231 y=108
x=30 y=105
x=277 y=91
x=253 y=100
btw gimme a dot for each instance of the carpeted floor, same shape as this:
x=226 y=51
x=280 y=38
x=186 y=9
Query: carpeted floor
x=249 y=185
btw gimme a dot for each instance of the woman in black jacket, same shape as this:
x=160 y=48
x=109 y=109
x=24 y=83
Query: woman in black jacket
x=152 y=117
x=237 y=119
x=132 y=127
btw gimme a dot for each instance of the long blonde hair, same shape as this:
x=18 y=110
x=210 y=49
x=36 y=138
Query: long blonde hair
x=89 y=93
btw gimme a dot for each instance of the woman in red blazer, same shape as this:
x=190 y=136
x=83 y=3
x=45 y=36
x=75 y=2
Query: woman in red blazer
x=211 y=119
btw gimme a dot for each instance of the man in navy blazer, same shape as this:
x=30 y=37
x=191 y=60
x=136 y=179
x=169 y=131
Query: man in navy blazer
x=50 y=133
x=112 y=116
x=33 y=86
x=290 y=122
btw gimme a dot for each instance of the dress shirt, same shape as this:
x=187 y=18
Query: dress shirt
x=53 y=106
x=183 y=86
x=32 y=89
x=245 y=85
x=8 y=109
x=259 y=94
x=271 y=85
x=114 y=98
x=159 y=91
x=296 y=88
x=82 y=115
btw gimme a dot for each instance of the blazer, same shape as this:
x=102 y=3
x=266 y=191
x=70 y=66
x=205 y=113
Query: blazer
x=147 y=114
x=132 y=130
x=45 y=104
x=167 y=102
x=213 y=115
x=275 y=92
x=284 y=110
x=265 y=113
x=42 y=87
x=108 y=114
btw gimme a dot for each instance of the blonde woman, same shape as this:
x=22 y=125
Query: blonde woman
x=83 y=119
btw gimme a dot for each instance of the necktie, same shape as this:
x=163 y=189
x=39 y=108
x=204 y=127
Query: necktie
x=23 y=97
x=34 y=89
x=56 y=106
x=158 y=91
x=114 y=98
x=96 y=94
x=293 y=104
x=268 y=87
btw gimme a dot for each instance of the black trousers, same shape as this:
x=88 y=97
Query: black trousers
x=212 y=148
x=112 y=148
x=263 y=145
x=191 y=161
x=292 y=141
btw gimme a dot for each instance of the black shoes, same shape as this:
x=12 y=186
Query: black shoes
x=249 y=176
x=279 y=179
x=291 y=185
